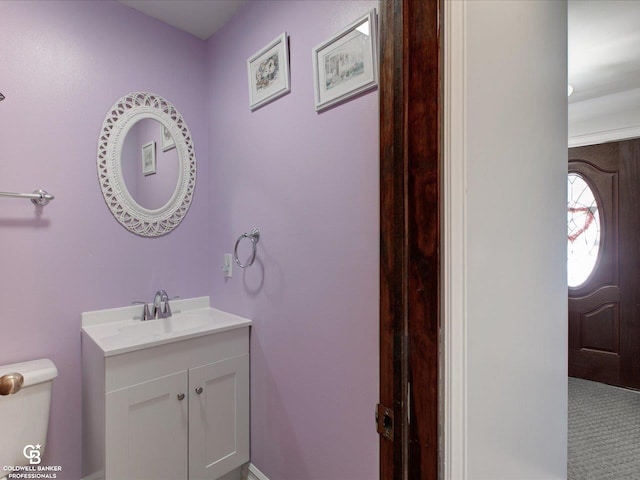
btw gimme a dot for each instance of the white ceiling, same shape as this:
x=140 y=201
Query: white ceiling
x=198 y=17
x=604 y=47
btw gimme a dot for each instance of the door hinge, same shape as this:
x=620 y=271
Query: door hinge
x=384 y=421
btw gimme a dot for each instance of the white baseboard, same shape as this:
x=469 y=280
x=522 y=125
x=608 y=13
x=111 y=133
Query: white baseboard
x=251 y=472
x=95 y=476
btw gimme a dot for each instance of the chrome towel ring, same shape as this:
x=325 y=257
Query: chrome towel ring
x=254 y=236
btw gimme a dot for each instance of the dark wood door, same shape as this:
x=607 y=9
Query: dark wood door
x=604 y=227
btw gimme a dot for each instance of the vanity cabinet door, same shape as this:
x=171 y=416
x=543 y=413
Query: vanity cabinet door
x=147 y=430
x=218 y=417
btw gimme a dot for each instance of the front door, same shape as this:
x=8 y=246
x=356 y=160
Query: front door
x=603 y=211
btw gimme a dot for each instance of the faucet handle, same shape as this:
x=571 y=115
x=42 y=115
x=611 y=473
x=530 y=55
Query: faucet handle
x=167 y=308
x=146 y=314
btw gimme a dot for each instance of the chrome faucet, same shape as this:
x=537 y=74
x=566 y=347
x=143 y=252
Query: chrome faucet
x=161 y=308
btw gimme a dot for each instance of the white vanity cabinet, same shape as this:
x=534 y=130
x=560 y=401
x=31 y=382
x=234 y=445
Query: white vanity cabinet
x=147 y=429
x=176 y=411
x=218 y=417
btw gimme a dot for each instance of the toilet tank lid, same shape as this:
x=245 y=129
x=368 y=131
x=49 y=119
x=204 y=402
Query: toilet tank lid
x=34 y=371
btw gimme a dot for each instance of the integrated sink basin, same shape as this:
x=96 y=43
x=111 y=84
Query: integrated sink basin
x=121 y=330
x=161 y=326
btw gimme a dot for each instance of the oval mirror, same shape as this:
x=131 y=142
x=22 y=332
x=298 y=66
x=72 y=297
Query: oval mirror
x=146 y=164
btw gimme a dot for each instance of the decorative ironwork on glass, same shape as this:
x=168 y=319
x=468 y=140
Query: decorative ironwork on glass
x=584 y=234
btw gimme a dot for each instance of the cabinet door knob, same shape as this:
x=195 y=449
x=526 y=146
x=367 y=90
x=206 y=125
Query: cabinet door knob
x=181 y=396
x=198 y=390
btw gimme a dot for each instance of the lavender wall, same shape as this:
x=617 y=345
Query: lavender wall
x=310 y=183
x=63 y=65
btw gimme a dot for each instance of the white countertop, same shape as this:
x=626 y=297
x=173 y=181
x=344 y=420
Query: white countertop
x=121 y=330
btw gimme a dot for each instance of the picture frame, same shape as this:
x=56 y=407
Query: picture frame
x=268 y=72
x=167 y=139
x=149 y=158
x=346 y=65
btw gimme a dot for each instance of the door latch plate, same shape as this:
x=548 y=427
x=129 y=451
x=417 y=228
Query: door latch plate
x=384 y=421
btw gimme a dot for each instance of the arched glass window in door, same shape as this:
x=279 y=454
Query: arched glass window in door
x=584 y=233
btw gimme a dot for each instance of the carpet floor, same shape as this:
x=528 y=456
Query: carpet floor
x=604 y=432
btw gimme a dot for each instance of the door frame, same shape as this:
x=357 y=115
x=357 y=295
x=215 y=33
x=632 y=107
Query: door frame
x=395 y=137
x=411 y=266
x=454 y=218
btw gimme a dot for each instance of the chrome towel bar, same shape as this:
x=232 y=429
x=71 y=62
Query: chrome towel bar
x=39 y=197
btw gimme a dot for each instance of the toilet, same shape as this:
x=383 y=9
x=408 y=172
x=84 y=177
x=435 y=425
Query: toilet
x=24 y=415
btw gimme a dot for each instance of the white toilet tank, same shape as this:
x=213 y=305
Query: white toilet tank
x=24 y=415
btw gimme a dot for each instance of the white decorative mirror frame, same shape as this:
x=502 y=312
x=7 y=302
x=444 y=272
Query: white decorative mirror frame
x=121 y=117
